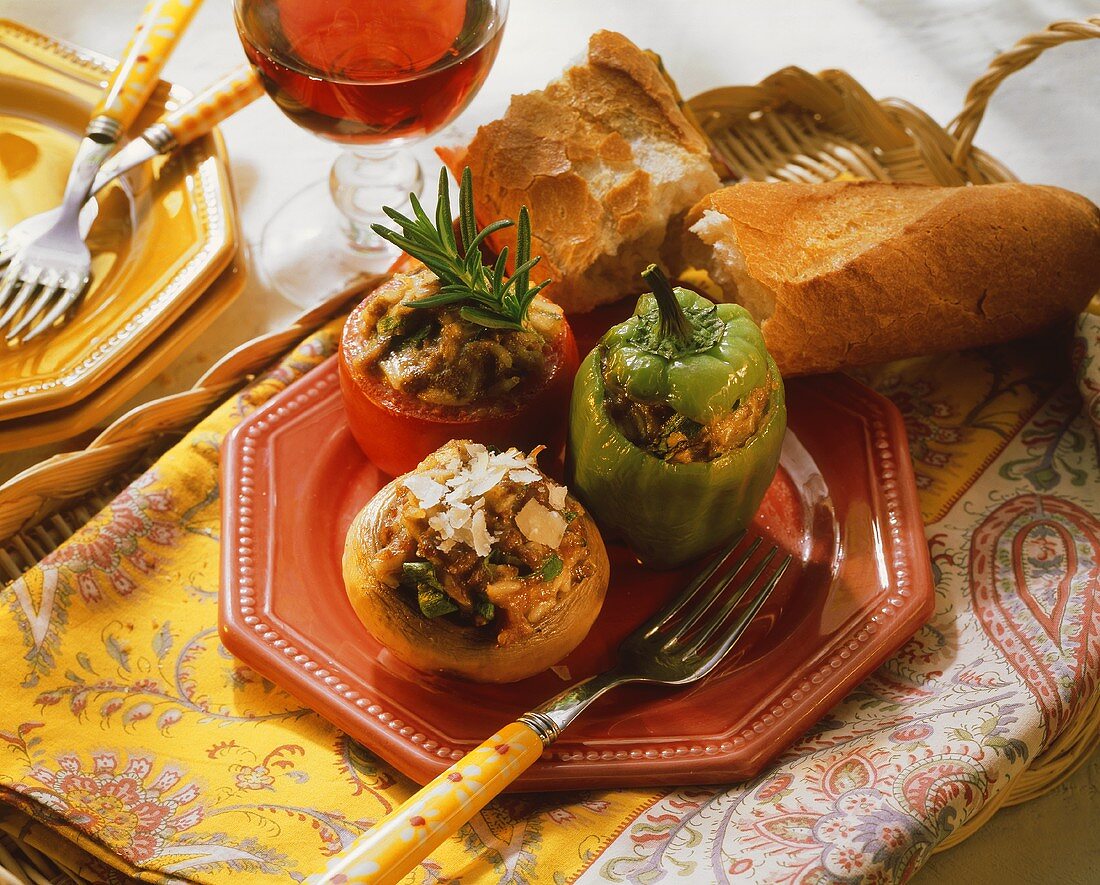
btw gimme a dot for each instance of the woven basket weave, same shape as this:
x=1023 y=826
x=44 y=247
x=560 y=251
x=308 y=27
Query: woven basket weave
x=793 y=126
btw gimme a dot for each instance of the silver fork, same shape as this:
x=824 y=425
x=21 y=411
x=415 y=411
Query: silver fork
x=680 y=644
x=179 y=127
x=13 y=241
x=57 y=261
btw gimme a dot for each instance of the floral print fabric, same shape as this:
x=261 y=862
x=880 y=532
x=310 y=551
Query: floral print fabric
x=132 y=732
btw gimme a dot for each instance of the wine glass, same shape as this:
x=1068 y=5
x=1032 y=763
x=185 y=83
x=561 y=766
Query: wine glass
x=373 y=76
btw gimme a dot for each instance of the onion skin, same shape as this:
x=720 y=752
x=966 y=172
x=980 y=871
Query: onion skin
x=437 y=644
x=397 y=431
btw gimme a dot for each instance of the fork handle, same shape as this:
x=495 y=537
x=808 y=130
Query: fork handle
x=221 y=99
x=159 y=28
x=398 y=842
x=403 y=838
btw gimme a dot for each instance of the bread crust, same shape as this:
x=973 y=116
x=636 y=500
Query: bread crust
x=944 y=268
x=566 y=153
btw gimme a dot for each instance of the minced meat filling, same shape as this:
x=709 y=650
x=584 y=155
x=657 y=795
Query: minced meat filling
x=438 y=357
x=513 y=581
x=664 y=433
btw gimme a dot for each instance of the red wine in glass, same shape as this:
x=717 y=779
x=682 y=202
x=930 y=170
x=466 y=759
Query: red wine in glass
x=371 y=71
x=374 y=76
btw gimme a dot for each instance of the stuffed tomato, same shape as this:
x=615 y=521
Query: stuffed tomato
x=455 y=349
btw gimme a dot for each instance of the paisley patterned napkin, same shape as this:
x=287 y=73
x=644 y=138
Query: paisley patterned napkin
x=133 y=733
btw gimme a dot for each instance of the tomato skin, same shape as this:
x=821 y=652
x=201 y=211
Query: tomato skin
x=397 y=431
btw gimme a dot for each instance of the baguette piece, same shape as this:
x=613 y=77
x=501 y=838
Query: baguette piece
x=849 y=273
x=604 y=159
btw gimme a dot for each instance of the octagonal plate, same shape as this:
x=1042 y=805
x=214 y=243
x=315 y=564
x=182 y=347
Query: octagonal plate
x=844 y=503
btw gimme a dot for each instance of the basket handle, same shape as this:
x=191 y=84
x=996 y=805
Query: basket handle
x=963 y=127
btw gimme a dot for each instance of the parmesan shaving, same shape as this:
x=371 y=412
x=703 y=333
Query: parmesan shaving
x=462 y=524
x=426 y=490
x=482 y=541
x=475 y=484
x=540 y=524
x=454 y=495
x=477 y=462
x=557 y=495
x=511 y=458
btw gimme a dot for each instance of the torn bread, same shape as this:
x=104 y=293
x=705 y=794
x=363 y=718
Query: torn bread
x=849 y=273
x=605 y=161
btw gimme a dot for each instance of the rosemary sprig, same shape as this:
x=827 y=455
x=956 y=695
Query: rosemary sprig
x=486 y=296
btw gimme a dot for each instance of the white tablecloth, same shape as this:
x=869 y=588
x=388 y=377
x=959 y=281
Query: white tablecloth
x=1044 y=124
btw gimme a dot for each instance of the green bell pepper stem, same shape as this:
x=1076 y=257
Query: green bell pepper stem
x=724 y=361
x=674 y=322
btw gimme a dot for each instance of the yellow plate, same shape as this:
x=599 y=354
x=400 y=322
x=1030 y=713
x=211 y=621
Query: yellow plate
x=71 y=421
x=161 y=238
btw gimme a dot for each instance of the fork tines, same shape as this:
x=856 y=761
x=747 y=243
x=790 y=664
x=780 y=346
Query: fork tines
x=702 y=621
x=57 y=292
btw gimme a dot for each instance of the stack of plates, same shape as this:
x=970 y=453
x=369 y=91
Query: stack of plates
x=164 y=246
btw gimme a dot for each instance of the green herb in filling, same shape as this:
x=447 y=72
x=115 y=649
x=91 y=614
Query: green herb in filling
x=430 y=597
x=551 y=568
x=420 y=572
x=677 y=434
x=420 y=335
x=499 y=557
x=389 y=325
x=434 y=603
x=485 y=610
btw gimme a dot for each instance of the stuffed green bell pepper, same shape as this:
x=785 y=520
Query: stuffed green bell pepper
x=676 y=424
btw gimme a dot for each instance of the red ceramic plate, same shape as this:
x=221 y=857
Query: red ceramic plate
x=844 y=503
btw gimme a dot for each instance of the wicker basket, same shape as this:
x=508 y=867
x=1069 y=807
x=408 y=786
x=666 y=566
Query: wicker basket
x=793 y=126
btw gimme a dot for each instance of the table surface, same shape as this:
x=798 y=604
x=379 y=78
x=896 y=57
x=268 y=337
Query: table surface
x=1043 y=124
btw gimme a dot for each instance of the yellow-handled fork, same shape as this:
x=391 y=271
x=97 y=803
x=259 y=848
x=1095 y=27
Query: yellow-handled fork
x=176 y=128
x=56 y=264
x=680 y=644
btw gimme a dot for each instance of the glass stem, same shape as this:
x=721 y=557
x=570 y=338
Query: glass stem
x=363 y=180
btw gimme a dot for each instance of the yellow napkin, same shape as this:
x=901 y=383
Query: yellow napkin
x=162 y=754
x=134 y=734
